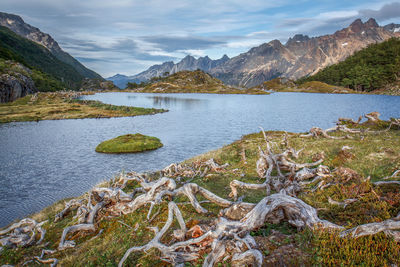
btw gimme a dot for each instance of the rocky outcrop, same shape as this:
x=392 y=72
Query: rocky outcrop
x=17 y=25
x=97 y=85
x=16 y=85
x=392 y=27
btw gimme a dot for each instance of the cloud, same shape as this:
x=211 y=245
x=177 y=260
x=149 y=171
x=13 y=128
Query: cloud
x=386 y=12
x=176 y=43
x=294 y=22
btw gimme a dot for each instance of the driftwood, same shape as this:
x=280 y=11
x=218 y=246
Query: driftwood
x=22 y=234
x=52 y=261
x=344 y=203
x=372 y=118
x=373 y=228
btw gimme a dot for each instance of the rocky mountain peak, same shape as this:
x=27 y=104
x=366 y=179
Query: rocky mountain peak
x=371 y=23
x=275 y=43
x=17 y=25
x=298 y=38
x=224 y=57
x=392 y=27
x=11 y=18
x=357 y=25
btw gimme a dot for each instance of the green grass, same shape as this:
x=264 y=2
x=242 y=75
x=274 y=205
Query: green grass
x=129 y=143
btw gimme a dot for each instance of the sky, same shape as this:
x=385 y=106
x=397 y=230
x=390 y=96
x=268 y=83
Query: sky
x=128 y=36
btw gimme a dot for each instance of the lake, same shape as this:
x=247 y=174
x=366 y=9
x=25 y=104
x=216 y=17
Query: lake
x=42 y=162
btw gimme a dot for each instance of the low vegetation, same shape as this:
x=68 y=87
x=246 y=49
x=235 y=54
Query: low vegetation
x=372 y=68
x=189 y=82
x=285 y=85
x=129 y=143
x=344 y=191
x=64 y=105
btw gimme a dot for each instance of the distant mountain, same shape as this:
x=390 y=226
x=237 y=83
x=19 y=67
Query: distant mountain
x=196 y=81
x=188 y=63
x=392 y=27
x=17 y=25
x=300 y=56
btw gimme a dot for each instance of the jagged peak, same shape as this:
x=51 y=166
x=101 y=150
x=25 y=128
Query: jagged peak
x=298 y=38
x=275 y=43
x=225 y=57
x=17 y=18
x=371 y=23
x=356 y=23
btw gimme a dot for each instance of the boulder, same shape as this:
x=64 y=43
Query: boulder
x=14 y=86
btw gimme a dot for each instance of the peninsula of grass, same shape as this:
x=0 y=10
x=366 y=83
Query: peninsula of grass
x=129 y=143
x=64 y=105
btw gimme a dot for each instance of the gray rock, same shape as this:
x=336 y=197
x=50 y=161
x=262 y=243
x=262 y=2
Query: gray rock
x=14 y=86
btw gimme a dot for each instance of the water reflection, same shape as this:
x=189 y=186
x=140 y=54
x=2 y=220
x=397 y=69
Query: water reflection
x=168 y=101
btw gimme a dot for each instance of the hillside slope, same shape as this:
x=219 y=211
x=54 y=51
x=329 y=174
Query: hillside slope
x=34 y=55
x=375 y=67
x=17 y=25
x=190 y=82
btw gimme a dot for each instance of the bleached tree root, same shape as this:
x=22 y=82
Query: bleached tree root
x=195 y=169
x=52 y=261
x=231 y=239
x=373 y=228
x=394 y=175
x=344 y=203
x=22 y=233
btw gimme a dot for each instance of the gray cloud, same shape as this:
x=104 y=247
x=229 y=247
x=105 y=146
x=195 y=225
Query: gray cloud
x=294 y=22
x=171 y=44
x=388 y=11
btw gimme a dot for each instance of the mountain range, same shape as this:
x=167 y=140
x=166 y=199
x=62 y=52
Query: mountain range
x=187 y=63
x=300 y=56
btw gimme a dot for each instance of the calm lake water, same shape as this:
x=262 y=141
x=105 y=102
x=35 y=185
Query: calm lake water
x=42 y=162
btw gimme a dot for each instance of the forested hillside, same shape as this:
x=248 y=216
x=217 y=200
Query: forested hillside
x=369 y=69
x=49 y=73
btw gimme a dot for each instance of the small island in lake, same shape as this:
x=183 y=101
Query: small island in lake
x=129 y=143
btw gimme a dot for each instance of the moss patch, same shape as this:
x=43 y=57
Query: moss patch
x=129 y=143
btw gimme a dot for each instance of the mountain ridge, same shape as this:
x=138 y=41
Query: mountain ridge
x=187 y=63
x=16 y=24
x=300 y=56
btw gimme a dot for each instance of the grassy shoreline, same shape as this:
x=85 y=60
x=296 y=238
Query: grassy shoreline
x=374 y=155
x=64 y=105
